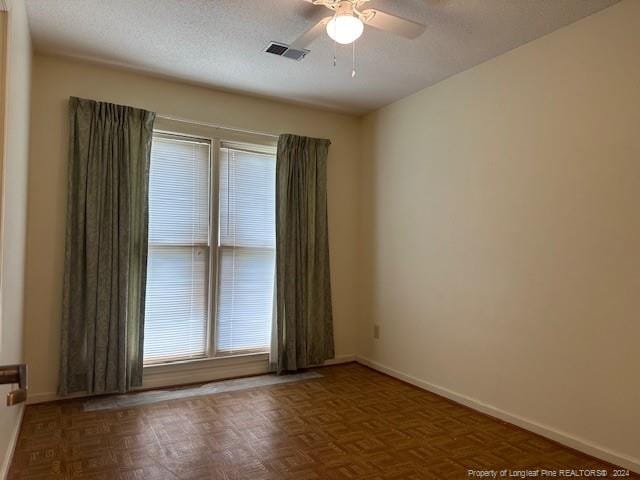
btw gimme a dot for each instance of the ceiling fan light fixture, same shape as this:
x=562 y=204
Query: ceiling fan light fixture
x=345 y=29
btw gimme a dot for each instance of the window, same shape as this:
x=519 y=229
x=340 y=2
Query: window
x=246 y=250
x=177 y=298
x=211 y=261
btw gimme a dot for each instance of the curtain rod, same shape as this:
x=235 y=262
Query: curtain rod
x=213 y=125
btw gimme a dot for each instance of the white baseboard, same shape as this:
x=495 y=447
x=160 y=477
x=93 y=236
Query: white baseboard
x=228 y=368
x=6 y=463
x=563 y=438
x=209 y=370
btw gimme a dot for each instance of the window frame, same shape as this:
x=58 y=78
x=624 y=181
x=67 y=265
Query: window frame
x=217 y=137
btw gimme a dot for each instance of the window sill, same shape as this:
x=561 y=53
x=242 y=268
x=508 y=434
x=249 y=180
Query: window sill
x=205 y=360
x=203 y=370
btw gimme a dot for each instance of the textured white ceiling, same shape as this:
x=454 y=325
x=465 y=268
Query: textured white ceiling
x=221 y=42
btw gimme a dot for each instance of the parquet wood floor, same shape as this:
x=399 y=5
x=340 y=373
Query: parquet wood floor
x=353 y=423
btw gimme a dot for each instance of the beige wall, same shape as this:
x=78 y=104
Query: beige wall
x=14 y=206
x=56 y=79
x=503 y=213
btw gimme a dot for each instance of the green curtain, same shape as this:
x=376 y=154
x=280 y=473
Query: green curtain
x=304 y=327
x=106 y=247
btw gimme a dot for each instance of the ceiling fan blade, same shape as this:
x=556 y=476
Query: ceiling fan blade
x=391 y=23
x=304 y=40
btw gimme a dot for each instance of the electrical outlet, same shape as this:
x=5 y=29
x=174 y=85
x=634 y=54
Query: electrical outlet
x=376 y=331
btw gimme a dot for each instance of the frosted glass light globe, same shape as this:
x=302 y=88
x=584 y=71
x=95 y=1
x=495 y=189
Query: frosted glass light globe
x=345 y=29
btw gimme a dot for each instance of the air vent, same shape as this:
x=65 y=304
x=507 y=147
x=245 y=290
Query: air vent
x=283 y=50
x=276 y=48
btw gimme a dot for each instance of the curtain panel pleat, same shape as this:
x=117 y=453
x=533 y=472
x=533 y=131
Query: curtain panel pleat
x=106 y=247
x=303 y=292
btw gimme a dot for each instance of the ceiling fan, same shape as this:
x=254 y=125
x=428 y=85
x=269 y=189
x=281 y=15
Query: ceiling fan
x=347 y=23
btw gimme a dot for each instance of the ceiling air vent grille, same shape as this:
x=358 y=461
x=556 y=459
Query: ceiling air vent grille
x=283 y=50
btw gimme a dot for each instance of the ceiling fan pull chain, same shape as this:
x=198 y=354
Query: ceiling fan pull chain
x=353 y=71
x=335 y=45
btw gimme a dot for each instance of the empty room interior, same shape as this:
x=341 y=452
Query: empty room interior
x=319 y=239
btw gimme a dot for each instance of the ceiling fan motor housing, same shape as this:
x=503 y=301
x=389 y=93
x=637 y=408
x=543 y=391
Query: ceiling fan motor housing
x=345 y=7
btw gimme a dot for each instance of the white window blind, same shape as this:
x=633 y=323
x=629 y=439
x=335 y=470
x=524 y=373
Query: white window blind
x=246 y=251
x=176 y=318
